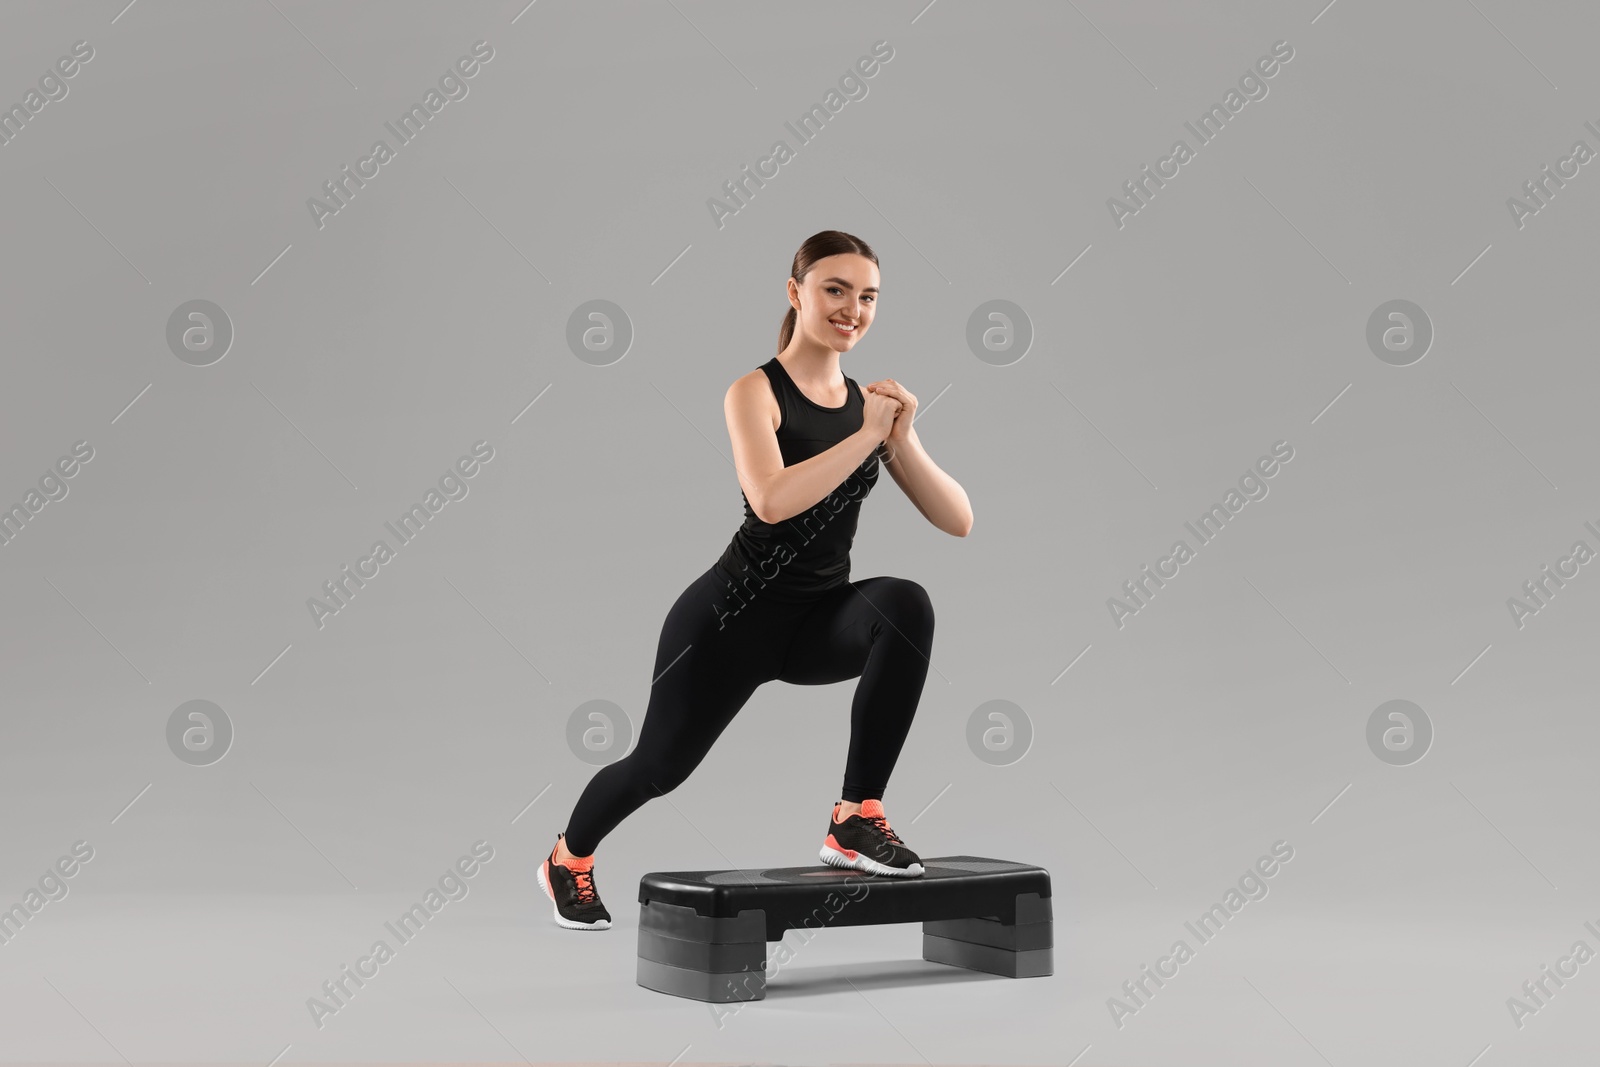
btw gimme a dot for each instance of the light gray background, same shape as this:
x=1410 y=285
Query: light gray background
x=1225 y=316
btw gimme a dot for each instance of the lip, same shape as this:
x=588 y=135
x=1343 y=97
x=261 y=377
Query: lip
x=855 y=328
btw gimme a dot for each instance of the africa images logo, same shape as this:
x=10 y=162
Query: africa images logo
x=807 y=528
x=1252 y=86
x=452 y=86
x=1252 y=486
x=452 y=486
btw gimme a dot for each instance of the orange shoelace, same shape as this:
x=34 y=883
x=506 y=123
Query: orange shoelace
x=586 y=890
x=583 y=878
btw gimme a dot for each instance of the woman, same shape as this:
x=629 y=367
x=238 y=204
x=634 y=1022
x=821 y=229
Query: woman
x=779 y=603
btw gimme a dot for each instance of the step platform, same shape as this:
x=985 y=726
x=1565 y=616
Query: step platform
x=703 y=934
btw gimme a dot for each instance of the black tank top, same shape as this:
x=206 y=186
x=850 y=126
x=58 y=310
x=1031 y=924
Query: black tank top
x=806 y=555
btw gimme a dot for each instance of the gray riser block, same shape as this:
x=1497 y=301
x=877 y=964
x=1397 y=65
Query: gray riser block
x=686 y=924
x=1031 y=963
x=724 y=988
x=994 y=933
x=702 y=955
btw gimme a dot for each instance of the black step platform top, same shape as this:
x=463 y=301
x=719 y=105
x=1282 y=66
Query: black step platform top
x=951 y=887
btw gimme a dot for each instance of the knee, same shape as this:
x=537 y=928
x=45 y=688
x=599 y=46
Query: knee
x=910 y=605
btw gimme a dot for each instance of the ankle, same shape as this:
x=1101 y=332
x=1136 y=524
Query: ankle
x=563 y=853
x=848 y=808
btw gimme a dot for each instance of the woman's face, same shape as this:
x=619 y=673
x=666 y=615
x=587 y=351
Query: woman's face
x=837 y=300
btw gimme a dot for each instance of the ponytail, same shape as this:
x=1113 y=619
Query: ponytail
x=786 y=331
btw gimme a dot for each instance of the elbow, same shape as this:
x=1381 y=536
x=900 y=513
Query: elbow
x=764 y=512
x=771 y=510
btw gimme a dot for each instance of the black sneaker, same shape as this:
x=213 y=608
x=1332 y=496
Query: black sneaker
x=866 y=843
x=577 y=902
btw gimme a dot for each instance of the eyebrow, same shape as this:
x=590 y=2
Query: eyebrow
x=847 y=285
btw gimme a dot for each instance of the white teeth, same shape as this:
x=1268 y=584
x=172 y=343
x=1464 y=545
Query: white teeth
x=842 y=326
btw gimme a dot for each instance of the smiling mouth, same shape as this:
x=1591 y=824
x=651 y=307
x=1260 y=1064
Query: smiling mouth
x=843 y=327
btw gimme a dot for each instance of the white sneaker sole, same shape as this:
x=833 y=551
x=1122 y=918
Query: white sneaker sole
x=603 y=924
x=835 y=858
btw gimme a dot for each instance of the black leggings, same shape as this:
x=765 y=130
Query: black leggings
x=717 y=645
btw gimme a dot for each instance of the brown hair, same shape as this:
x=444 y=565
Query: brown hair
x=819 y=246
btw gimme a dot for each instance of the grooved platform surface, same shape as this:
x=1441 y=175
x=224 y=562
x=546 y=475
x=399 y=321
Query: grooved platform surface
x=951 y=887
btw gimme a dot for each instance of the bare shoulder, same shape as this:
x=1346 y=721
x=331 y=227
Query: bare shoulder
x=753 y=392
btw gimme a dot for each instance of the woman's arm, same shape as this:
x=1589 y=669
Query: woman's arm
x=938 y=496
x=777 y=492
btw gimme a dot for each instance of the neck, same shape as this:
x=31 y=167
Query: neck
x=809 y=361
